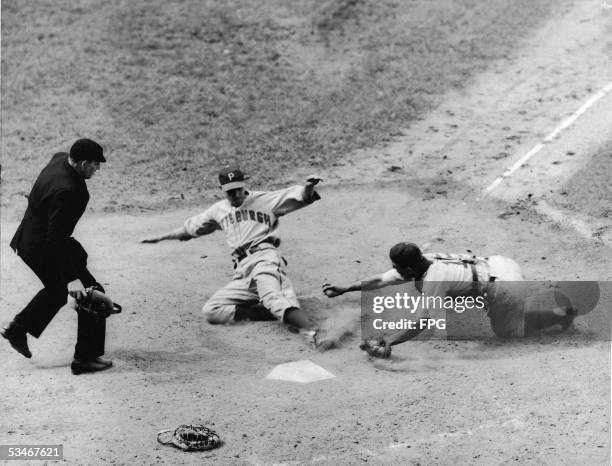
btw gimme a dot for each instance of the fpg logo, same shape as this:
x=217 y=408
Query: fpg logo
x=440 y=324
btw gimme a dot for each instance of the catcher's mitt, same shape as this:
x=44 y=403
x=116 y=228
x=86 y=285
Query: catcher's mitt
x=191 y=437
x=94 y=302
x=376 y=347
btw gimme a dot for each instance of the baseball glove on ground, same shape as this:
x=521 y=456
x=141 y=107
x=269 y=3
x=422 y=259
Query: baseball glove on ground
x=94 y=302
x=376 y=347
x=193 y=437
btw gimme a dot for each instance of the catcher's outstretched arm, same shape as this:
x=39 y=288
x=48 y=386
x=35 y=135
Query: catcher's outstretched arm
x=179 y=233
x=373 y=282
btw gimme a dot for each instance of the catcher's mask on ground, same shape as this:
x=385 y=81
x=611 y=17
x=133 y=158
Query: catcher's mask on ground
x=191 y=437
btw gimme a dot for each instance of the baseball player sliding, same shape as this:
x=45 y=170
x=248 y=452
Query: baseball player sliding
x=455 y=275
x=260 y=288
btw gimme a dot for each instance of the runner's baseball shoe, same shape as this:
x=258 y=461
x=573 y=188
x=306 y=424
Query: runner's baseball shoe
x=316 y=340
x=310 y=336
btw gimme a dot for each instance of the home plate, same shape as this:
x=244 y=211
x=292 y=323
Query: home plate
x=299 y=371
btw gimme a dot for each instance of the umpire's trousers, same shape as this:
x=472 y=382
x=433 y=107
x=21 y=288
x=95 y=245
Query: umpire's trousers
x=39 y=312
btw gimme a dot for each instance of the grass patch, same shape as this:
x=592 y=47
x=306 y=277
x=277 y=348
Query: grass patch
x=176 y=89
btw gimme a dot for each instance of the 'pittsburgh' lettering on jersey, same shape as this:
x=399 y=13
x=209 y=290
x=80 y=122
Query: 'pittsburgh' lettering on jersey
x=254 y=221
x=243 y=216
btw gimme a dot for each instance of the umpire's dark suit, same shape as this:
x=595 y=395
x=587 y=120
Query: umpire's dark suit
x=43 y=240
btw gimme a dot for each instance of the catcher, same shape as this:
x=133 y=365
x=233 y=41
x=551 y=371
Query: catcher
x=260 y=288
x=455 y=275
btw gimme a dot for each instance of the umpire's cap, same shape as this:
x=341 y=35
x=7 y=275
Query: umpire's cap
x=86 y=149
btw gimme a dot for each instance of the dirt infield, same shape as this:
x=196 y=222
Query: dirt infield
x=543 y=400
x=433 y=402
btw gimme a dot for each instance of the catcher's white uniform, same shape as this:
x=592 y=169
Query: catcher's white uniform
x=252 y=232
x=497 y=276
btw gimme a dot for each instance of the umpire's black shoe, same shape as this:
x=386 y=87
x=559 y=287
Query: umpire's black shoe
x=94 y=365
x=18 y=340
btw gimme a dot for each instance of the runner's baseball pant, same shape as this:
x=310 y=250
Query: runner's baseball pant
x=259 y=278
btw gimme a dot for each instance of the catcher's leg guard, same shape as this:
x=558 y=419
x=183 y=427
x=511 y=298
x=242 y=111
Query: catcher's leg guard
x=536 y=321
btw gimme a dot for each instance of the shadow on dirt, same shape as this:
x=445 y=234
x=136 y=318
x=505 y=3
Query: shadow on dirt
x=432 y=355
x=162 y=360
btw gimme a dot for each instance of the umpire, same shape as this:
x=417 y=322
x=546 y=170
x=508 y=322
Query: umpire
x=43 y=241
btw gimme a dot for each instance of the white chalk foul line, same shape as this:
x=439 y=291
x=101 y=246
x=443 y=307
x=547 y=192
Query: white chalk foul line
x=565 y=124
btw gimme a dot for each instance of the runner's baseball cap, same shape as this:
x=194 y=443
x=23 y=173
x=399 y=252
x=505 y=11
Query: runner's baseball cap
x=231 y=178
x=86 y=149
